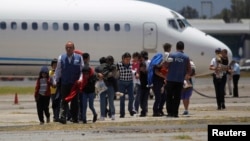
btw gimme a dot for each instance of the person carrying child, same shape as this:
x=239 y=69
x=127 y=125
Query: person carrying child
x=106 y=74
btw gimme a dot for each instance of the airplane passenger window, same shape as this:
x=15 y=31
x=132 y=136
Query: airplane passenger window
x=45 y=26
x=181 y=24
x=24 y=25
x=86 y=27
x=106 y=27
x=13 y=25
x=97 y=27
x=34 y=26
x=172 y=24
x=76 y=26
x=127 y=27
x=55 y=26
x=3 y=25
x=65 y=26
x=117 y=27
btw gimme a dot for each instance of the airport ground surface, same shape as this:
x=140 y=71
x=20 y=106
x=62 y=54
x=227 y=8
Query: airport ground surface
x=20 y=121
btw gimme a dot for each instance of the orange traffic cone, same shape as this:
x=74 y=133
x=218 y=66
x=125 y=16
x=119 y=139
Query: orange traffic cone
x=16 y=99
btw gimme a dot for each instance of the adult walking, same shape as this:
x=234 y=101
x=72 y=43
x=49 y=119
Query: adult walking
x=125 y=82
x=178 y=70
x=236 y=77
x=219 y=78
x=69 y=69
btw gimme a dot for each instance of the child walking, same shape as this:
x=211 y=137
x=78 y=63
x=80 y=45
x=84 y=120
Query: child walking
x=87 y=91
x=55 y=98
x=42 y=95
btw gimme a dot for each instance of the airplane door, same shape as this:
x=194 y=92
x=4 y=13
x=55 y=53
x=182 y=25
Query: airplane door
x=149 y=36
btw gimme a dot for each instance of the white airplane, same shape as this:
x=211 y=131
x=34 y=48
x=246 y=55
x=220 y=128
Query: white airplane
x=33 y=32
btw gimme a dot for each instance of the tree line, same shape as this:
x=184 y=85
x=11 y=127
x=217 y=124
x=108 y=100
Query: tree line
x=239 y=10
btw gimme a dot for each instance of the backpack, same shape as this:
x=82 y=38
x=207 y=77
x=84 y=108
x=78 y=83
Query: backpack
x=156 y=60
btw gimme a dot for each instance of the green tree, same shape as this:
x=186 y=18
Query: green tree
x=225 y=14
x=189 y=13
x=239 y=10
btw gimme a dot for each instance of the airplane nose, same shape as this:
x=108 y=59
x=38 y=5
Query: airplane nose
x=201 y=49
x=219 y=44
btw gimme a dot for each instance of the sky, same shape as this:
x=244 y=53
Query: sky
x=210 y=7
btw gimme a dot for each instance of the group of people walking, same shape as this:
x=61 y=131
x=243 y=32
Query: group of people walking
x=72 y=83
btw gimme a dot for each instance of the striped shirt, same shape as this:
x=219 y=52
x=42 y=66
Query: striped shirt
x=43 y=86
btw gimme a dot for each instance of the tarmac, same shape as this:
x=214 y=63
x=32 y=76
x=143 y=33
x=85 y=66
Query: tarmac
x=19 y=121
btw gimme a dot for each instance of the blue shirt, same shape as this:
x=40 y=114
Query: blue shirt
x=236 y=69
x=179 y=67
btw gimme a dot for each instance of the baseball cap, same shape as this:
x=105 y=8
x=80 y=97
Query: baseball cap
x=218 y=50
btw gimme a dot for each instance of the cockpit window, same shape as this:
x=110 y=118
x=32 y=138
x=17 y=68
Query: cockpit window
x=178 y=24
x=172 y=24
x=181 y=24
x=186 y=22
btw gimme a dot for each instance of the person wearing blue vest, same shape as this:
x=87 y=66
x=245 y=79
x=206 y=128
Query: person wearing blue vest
x=68 y=72
x=178 y=70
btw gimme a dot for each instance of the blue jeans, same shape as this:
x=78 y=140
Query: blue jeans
x=137 y=97
x=87 y=97
x=126 y=87
x=110 y=93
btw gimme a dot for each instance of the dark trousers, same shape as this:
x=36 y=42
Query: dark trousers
x=55 y=100
x=235 y=85
x=224 y=82
x=219 y=90
x=173 y=90
x=80 y=107
x=74 y=104
x=42 y=105
x=157 y=85
x=144 y=100
x=163 y=101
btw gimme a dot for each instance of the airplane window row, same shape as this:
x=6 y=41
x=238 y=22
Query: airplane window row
x=65 y=26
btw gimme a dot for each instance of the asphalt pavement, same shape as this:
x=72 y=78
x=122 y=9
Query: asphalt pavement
x=19 y=122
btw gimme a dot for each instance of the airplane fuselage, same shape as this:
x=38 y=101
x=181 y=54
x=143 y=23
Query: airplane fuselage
x=32 y=33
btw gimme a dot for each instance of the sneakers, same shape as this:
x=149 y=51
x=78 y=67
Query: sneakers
x=185 y=112
x=41 y=123
x=119 y=94
x=102 y=118
x=149 y=86
x=113 y=117
x=132 y=113
x=187 y=84
x=161 y=113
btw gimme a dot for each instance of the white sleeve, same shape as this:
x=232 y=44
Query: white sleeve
x=82 y=65
x=213 y=62
x=58 y=71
